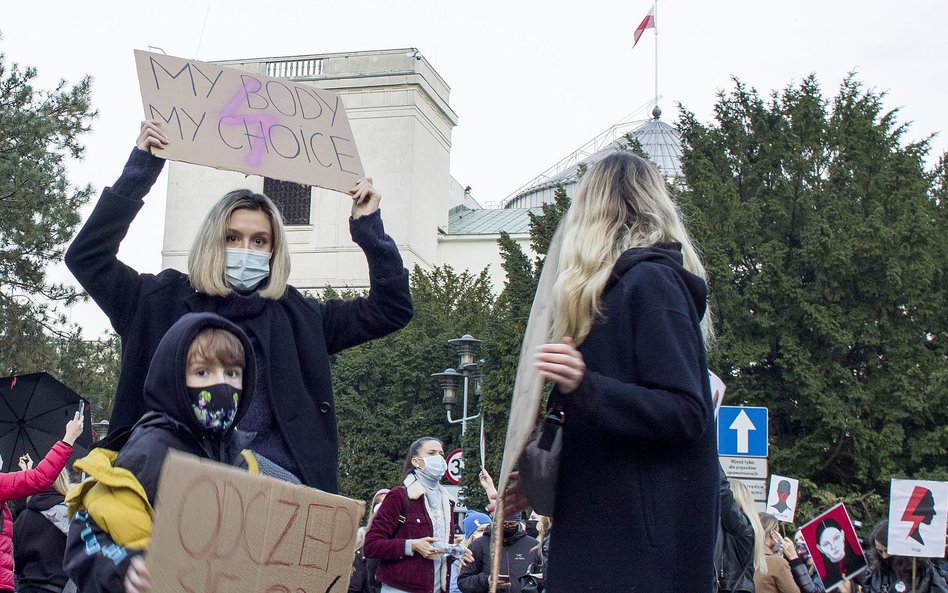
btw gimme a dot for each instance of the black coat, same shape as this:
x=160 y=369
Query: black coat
x=637 y=497
x=38 y=544
x=736 y=568
x=293 y=336
x=519 y=552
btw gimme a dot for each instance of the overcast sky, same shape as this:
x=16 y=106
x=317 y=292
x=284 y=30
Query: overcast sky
x=530 y=81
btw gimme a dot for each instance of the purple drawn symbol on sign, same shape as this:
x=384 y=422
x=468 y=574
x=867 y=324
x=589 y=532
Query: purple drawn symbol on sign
x=230 y=116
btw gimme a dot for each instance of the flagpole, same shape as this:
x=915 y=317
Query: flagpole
x=656 y=52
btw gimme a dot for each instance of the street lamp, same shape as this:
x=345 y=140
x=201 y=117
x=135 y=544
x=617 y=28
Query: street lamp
x=467 y=348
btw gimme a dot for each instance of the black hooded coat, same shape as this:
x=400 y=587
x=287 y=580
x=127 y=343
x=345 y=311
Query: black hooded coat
x=99 y=564
x=637 y=500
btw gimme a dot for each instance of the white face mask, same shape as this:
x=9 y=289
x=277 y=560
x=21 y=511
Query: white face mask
x=246 y=268
x=435 y=466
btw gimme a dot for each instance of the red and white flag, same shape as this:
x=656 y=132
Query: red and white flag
x=647 y=23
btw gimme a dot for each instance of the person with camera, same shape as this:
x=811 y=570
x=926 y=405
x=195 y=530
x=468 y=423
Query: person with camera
x=798 y=555
x=27 y=482
x=519 y=551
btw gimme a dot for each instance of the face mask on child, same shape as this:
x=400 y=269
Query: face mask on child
x=215 y=405
x=246 y=268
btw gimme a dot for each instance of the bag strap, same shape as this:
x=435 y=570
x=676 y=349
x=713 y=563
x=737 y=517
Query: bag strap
x=403 y=516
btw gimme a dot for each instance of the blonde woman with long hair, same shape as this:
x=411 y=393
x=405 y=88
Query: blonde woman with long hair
x=742 y=543
x=639 y=453
x=239 y=267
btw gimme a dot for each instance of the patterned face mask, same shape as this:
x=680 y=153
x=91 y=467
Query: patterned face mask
x=215 y=406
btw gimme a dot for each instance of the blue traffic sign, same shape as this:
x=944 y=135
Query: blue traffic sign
x=742 y=432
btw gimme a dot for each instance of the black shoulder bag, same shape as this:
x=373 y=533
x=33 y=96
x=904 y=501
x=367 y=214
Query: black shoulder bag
x=540 y=460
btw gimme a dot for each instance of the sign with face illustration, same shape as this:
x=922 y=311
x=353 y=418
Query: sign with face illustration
x=832 y=539
x=782 y=499
x=918 y=518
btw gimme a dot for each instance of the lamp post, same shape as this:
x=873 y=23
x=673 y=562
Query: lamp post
x=467 y=348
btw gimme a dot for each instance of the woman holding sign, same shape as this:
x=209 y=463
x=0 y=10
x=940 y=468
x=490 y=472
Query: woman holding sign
x=239 y=265
x=639 y=454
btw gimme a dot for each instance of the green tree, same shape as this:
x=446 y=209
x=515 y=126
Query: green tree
x=385 y=396
x=39 y=134
x=824 y=240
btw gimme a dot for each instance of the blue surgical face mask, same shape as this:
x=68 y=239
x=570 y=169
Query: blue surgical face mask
x=435 y=466
x=246 y=268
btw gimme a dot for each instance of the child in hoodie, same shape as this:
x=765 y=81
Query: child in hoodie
x=199 y=384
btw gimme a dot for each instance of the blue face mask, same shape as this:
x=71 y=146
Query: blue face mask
x=246 y=268
x=435 y=466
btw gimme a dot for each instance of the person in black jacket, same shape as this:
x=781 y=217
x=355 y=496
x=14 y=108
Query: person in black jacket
x=238 y=268
x=741 y=544
x=199 y=385
x=519 y=552
x=893 y=574
x=630 y=365
x=39 y=540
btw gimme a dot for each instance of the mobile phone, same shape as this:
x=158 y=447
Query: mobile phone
x=503 y=579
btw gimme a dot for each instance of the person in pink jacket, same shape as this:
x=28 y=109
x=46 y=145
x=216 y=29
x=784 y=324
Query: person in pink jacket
x=17 y=485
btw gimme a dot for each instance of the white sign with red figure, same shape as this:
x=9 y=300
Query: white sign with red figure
x=918 y=518
x=782 y=500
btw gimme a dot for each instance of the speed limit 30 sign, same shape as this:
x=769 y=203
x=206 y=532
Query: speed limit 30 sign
x=455 y=461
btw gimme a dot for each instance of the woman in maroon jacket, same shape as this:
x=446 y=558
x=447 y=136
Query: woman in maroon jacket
x=17 y=485
x=412 y=531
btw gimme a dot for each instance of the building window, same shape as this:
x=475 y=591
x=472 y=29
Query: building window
x=292 y=199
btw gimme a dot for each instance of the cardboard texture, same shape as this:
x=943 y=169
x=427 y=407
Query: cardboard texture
x=219 y=529
x=247 y=122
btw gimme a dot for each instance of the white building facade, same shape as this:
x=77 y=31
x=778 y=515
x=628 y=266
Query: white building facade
x=399 y=111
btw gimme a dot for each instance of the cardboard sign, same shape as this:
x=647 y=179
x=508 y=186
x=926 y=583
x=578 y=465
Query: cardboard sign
x=918 y=518
x=782 y=499
x=247 y=122
x=221 y=530
x=834 y=546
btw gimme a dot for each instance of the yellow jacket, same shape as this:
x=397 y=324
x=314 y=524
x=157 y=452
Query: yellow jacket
x=116 y=500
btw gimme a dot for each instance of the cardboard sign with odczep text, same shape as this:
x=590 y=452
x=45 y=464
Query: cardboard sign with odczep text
x=248 y=122
x=219 y=529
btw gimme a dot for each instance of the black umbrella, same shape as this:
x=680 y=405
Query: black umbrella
x=34 y=410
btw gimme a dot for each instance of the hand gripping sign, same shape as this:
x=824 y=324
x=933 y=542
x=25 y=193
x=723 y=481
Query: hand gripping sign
x=220 y=529
x=248 y=122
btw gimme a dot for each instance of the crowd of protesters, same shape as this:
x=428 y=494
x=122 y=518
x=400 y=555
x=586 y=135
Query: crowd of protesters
x=230 y=363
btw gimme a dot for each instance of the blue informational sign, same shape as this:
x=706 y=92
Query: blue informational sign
x=742 y=431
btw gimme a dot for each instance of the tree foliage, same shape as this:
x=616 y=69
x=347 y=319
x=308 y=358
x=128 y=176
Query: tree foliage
x=40 y=134
x=824 y=240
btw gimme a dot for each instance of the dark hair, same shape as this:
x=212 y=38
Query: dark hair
x=413 y=452
x=880 y=533
x=826 y=524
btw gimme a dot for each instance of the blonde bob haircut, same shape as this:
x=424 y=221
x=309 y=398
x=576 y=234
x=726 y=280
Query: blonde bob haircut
x=621 y=203
x=207 y=264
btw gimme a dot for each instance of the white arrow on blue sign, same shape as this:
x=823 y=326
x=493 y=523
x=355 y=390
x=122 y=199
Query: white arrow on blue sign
x=742 y=431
